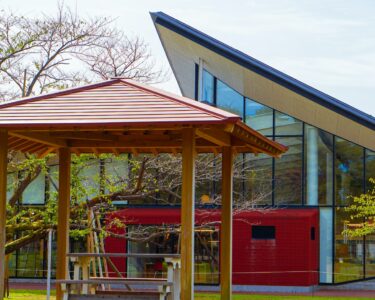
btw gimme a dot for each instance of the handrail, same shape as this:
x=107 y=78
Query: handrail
x=130 y=255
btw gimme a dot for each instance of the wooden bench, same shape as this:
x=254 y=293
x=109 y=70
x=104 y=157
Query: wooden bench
x=70 y=288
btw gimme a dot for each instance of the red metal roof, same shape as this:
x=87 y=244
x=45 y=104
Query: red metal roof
x=113 y=102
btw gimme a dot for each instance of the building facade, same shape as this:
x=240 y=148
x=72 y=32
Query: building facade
x=331 y=157
x=331 y=144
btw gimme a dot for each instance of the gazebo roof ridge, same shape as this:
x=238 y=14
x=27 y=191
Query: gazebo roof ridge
x=57 y=93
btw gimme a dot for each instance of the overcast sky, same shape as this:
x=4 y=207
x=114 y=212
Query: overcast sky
x=329 y=44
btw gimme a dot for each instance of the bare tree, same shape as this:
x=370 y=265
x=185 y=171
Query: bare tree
x=121 y=56
x=52 y=52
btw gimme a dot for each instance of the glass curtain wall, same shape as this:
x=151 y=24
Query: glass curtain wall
x=319 y=170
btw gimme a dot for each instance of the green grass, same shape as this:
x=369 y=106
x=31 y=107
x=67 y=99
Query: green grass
x=272 y=297
x=41 y=295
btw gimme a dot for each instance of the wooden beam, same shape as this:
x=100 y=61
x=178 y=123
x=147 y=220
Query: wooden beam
x=63 y=218
x=218 y=137
x=226 y=224
x=187 y=214
x=3 y=200
x=40 y=138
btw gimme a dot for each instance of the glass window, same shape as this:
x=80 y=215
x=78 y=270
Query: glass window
x=228 y=99
x=370 y=167
x=319 y=166
x=263 y=232
x=206 y=254
x=35 y=191
x=288 y=173
x=258 y=179
x=259 y=117
x=116 y=172
x=89 y=177
x=349 y=171
x=207 y=88
x=207 y=174
x=348 y=251
x=370 y=255
x=11 y=183
x=287 y=125
x=326 y=245
x=30 y=260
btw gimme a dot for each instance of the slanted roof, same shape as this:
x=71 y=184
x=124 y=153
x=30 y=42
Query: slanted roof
x=121 y=115
x=263 y=69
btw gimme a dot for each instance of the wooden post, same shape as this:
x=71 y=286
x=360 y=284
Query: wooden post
x=63 y=218
x=226 y=224
x=3 y=200
x=187 y=214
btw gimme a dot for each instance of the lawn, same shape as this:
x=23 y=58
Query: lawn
x=41 y=295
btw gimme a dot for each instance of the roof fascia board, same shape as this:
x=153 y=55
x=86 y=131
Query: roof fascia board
x=264 y=70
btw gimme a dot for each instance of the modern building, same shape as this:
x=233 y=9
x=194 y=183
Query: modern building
x=331 y=156
x=331 y=144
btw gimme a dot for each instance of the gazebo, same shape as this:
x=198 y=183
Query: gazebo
x=122 y=116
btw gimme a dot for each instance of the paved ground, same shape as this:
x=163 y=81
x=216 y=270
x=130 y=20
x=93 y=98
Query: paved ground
x=348 y=290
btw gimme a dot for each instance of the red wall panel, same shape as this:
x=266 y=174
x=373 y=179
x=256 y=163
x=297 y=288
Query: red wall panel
x=290 y=259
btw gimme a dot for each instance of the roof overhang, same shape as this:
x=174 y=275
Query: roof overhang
x=186 y=46
x=122 y=116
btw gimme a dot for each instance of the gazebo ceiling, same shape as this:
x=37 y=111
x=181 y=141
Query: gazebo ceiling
x=121 y=115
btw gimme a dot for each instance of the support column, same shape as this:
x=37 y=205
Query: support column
x=187 y=214
x=3 y=200
x=63 y=218
x=226 y=224
x=312 y=172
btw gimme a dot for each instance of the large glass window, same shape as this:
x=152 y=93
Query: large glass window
x=228 y=99
x=207 y=88
x=35 y=191
x=370 y=167
x=287 y=125
x=349 y=171
x=348 y=250
x=89 y=176
x=206 y=255
x=326 y=244
x=370 y=255
x=319 y=166
x=258 y=179
x=259 y=117
x=30 y=260
x=11 y=184
x=288 y=173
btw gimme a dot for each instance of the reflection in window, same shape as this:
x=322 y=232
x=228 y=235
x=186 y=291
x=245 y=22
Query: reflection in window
x=318 y=161
x=208 y=173
x=258 y=179
x=206 y=254
x=228 y=99
x=326 y=245
x=207 y=88
x=370 y=167
x=287 y=125
x=11 y=184
x=35 y=191
x=30 y=260
x=348 y=250
x=259 y=117
x=116 y=170
x=370 y=255
x=89 y=176
x=288 y=173
x=349 y=171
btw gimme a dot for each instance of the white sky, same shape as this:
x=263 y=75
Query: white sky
x=329 y=44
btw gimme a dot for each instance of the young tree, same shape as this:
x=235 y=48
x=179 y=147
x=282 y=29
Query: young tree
x=363 y=212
